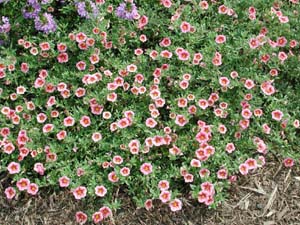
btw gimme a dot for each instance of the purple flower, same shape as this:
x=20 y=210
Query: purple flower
x=5 y=1
x=45 y=23
x=126 y=11
x=31 y=9
x=4 y=25
x=86 y=9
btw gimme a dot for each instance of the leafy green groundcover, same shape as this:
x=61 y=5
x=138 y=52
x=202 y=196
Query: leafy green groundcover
x=158 y=98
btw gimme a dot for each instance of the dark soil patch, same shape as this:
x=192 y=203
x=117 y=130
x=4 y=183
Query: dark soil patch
x=270 y=196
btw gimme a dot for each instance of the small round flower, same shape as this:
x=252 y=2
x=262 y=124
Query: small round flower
x=81 y=217
x=148 y=204
x=222 y=174
x=100 y=191
x=106 y=211
x=288 y=162
x=277 y=115
x=243 y=168
x=150 y=122
x=10 y=192
x=163 y=185
x=97 y=217
x=33 y=189
x=125 y=171
x=146 y=168
x=85 y=121
x=39 y=168
x=220 y=39
x=14 y=168
x=64 y=181
x=112 y=177
x=23 y=184
x=79 y=192
x=165 y=196
x=175 y=205
x=69 y=121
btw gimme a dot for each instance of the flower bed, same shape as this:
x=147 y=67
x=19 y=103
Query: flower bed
x=161 y=98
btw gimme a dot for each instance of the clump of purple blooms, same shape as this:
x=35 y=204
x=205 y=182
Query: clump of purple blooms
x=127 y=11
x=32 y=9
x=45 y=23
x=4 y=25
x=87 y=9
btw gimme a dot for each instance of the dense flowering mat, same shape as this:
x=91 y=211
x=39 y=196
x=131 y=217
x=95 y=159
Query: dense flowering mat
x=157 y=98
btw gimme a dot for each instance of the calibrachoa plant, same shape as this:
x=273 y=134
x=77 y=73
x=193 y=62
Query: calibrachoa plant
x=160 y=99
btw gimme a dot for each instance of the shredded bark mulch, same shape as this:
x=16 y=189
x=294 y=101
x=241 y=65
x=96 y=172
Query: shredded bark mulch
x=270 y=196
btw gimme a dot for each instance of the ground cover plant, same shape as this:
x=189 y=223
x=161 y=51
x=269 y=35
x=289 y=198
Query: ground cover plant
x=157 y=99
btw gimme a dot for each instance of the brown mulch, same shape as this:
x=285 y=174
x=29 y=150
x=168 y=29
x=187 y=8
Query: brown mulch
x=270 y=196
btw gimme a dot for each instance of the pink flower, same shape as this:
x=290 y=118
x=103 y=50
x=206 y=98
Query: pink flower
x=277 y=115
x=195 y=163
x=39 y=168
x=106 y=212
x=253 y=43
x=246 y=113
x=64 y=181
x=185 y=27
x=217 y=59
x=146 y=168
x=220 y=39
x=282 y=56
x=224 y=81
x=222 y=9
x=175 y=205
x=48 y=128
x=150 y=122
x=230 y=147
x=14 y=168
x=69 y=121
x=96 y=137
x=204 y=5
x=188 y=178
x=288 y=162
x=165 y=196
x=85 y=121
x=79 y=192
x=163 y=185
x=32 y=189
x=125 y=171
x=243 y=168
x=23 y=184
x=184 y=55
x=81 y=217
x=143 y=21
x=166 y=3
x=202 y=137
x=202 y=196
x=208 y=188
x=10 y=192
x=180 y=120
x=222 y=174
x=63 y=57
x=97 y=217
x=148 y=204
x=112 y=177
x=251 y=163
x=100 y=191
